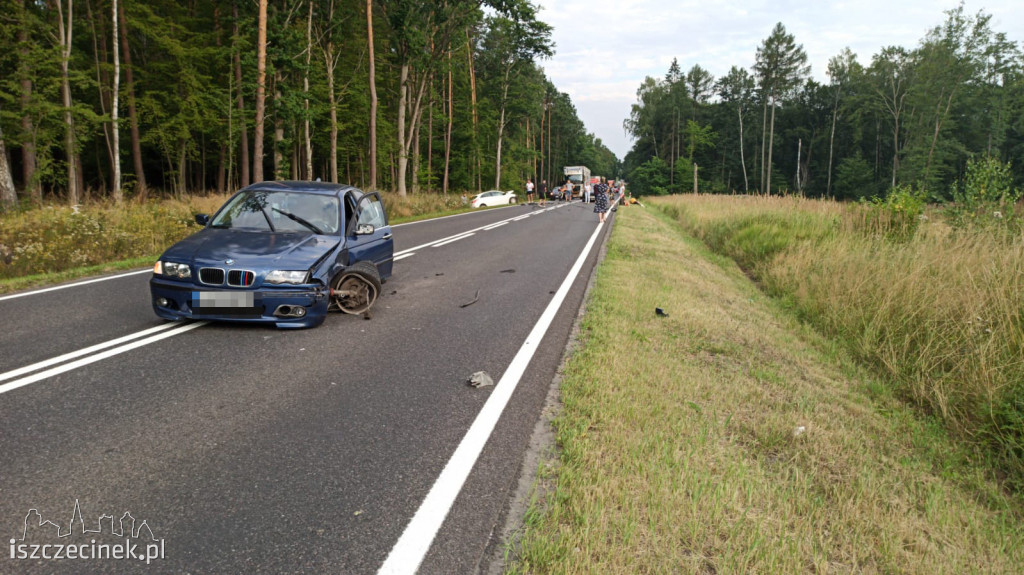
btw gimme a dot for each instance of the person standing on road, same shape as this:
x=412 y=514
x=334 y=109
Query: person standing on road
x=588 y=189
x=529 y=190
x=601 y=200
x=542 y=191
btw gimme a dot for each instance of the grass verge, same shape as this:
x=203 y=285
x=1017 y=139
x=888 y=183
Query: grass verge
x=729 y=438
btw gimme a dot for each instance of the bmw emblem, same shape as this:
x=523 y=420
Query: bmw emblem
x=229 y=262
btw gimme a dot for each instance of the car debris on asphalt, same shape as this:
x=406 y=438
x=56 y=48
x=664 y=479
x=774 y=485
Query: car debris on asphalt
x=480 y=379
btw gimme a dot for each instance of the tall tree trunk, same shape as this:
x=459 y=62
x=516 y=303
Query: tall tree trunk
x=406 y=102
x=133 y=118
x=533 y=157
x=8 y=196
x=799 y=151
x=831 y=143
x=939 y=118
x=476 y=117
x=416 y=155
x=333 y=100
x=403 y=157
x=65 y=85
x=764 y=133
x=222 y=160
x=551 y=181
x=430 y=132
x=771 y=142
x=99 y=48
x=330 y=63
x=497 y=161
x=180 y=188
x=305 y=88
x=28 y=146
x=261 y=94
x=501 y=127
x=116 y=185
x=743 y=161
x=373 y=97
x=243 y=160
x=278 y=129
x=895 y=148
x=540 y=147
x=448 y=131
x=672 y=152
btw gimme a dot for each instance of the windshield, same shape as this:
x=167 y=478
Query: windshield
x=273 y=211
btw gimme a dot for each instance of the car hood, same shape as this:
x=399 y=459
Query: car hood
x=215 y=246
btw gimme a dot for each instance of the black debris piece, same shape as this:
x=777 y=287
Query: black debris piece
x=509 y=271
x=660 y=312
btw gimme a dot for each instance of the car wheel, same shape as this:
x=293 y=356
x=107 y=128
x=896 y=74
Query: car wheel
x=511 y=201
x=355 y=289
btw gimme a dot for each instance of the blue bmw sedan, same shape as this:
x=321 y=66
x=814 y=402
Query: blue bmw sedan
x=283 y=253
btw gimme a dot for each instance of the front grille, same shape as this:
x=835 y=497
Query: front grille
x=241 y=278
x=211 y=276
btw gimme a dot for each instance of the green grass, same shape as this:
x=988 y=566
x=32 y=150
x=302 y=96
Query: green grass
x=934 y=310
x=729 y=437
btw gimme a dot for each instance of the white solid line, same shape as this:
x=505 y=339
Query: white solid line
x=446 y=217
x=100 y=356
x=135 y=273
x=83 y=351
x=520 y=218
x=455 y=239
x=434 y=242
x=403 y=256
x=497 y=225
x=412 y=546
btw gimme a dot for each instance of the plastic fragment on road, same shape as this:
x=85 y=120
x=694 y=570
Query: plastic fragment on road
x=480 y=379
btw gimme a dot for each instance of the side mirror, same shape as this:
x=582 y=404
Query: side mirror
x=364 y=229
x=203 y=219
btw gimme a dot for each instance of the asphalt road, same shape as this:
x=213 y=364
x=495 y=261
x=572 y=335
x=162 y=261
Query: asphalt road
x=252 y=450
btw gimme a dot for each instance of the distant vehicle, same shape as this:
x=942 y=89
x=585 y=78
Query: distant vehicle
x=579 y=175
x=494 y=198
x=282 y=253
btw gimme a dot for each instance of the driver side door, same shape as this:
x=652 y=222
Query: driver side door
x=370 y=239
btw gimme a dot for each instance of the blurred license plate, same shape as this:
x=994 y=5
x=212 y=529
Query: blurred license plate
x=219 y=299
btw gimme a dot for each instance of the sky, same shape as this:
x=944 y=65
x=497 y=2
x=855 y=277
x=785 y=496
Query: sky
x=605 y=48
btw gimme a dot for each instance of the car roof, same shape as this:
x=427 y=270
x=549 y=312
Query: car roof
x=324 y=188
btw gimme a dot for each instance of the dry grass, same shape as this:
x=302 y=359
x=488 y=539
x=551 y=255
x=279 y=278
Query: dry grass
x=56 y=242
x=727 y=438
x=938 y=312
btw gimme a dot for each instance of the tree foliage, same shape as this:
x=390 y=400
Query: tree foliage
x=910 y=116
x=462 y=63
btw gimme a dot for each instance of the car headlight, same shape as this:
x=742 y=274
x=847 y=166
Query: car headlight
x=287 y=277
x=172 y=269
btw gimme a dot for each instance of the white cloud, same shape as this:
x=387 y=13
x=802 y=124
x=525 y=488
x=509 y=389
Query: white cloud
x=605 y=48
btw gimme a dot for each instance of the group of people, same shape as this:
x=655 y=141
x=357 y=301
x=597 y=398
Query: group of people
x=565 y=191
x=602 y=193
